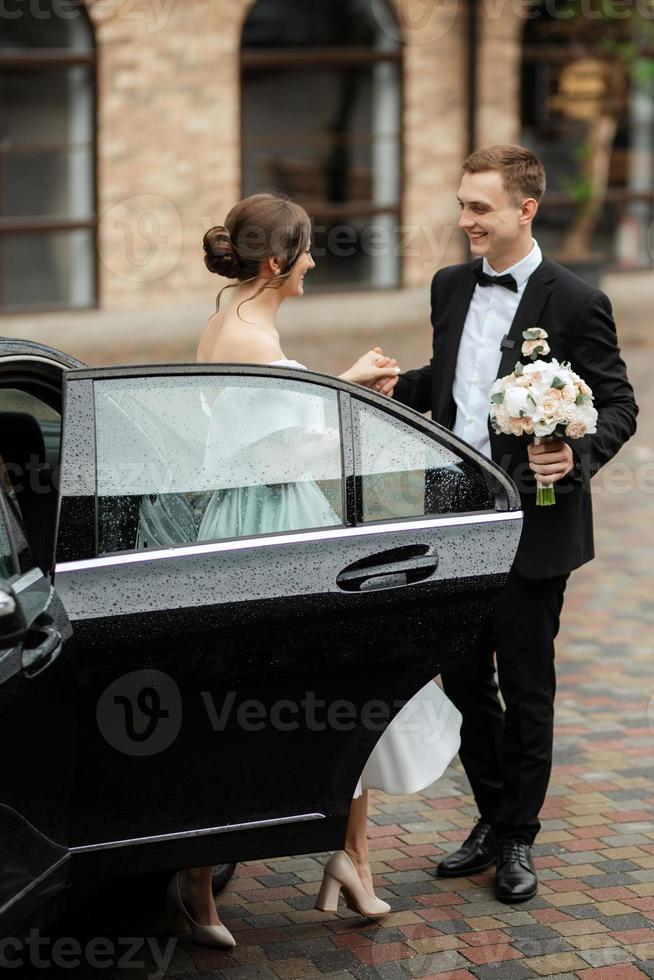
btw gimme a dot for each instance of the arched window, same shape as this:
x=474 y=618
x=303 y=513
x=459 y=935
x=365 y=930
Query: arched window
x=321 y=121
x=588 y=111
x=47 y=158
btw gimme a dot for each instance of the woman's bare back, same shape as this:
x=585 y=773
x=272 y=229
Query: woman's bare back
x=227 y=339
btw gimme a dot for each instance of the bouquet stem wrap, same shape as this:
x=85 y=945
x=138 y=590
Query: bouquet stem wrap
x=544 y=494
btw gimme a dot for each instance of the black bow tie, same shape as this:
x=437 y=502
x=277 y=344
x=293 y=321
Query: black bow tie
x=485 y=280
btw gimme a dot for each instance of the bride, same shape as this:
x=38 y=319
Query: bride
x=269 y=268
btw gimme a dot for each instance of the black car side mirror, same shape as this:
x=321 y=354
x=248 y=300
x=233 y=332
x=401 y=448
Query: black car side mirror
x=13 y=628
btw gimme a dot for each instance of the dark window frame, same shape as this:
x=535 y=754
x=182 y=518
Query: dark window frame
x=298 y=58
x=56 y=59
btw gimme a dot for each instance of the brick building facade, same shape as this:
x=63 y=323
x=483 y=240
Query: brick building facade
x=168 y=134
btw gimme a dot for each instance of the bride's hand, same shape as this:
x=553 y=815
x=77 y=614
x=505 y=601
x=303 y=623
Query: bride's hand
x=385 y=386
x=374 y=370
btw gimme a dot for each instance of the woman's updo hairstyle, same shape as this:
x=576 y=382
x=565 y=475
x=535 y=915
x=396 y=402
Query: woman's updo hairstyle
x=219 y=253
x=263 y=226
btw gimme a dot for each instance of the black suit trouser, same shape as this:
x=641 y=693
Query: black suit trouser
x=507 y=752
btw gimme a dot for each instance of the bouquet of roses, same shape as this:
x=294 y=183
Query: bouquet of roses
x=544 y=399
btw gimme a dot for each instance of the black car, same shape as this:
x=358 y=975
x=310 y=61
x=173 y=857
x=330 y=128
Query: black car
x=182 y=703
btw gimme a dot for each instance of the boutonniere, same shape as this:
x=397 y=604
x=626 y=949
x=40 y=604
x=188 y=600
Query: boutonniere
x=535 y=343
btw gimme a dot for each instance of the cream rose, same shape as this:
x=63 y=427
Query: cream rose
x=575 y=430
x=549 y=405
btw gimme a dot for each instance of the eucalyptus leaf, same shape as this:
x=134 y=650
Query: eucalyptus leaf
x=497 y=398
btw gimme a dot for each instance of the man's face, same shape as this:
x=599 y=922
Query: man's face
x=489 y=217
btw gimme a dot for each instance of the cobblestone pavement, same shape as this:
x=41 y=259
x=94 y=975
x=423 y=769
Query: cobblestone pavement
x=594 y=914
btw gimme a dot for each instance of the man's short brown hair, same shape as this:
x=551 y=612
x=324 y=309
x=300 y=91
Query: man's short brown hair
x=523 y=175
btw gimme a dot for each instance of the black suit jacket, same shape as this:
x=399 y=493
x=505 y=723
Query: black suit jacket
x=581 y=329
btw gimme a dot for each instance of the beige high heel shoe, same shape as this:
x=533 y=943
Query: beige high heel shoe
x=341 y=875
x=219 y=936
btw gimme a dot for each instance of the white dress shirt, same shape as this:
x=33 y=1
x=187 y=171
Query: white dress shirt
x=490 y=315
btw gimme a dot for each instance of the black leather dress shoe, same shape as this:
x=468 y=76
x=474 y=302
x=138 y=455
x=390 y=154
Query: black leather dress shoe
x=515 y=880
x=478 y=851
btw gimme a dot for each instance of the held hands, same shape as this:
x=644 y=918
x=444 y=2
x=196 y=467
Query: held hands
x=374 y=370
x=550 y=461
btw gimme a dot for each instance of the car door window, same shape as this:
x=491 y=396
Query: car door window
x=196 y=458
x=15 y=402
x=30 y=437
x=402 y=472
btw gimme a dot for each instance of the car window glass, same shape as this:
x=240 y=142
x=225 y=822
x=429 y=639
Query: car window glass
x=402 y=472
x=185 y=459
x=14 y=401
x=30 y=439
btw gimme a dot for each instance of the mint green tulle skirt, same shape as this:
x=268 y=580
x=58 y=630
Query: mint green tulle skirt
x=245 y=511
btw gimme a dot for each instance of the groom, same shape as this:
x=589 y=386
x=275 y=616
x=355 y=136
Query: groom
x=479 y=311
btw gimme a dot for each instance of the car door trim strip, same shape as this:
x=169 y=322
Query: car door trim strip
x=34 y=883
x=202 y=832
x=301 y=537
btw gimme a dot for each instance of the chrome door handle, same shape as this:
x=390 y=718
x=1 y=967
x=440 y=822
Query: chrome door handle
x=387 y=574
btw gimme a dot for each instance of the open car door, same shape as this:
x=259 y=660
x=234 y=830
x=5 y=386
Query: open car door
x=226 y=673
x=37 y=724
x=37 y=683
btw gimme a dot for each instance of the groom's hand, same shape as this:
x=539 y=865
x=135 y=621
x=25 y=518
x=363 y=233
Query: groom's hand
x=385 y=386
x=550 y=461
